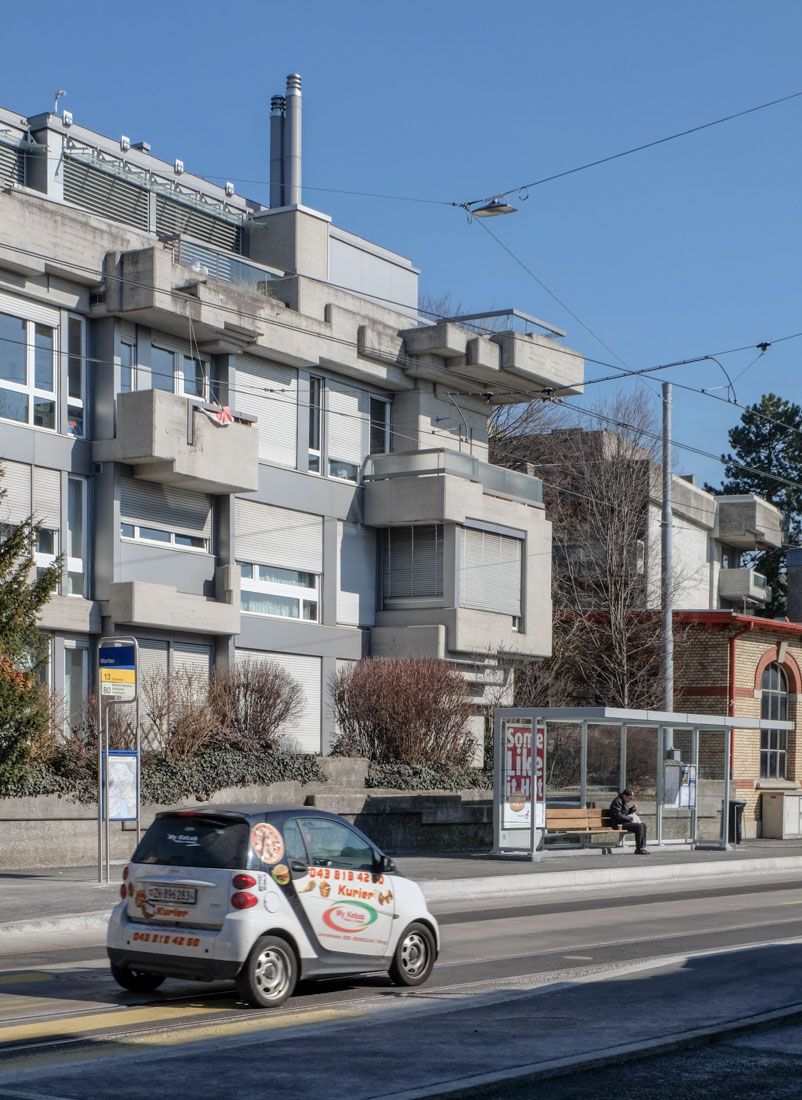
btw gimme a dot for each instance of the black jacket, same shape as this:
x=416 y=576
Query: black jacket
x=620 y=809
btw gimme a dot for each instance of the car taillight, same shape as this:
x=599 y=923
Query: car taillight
x=123 y=891
x=125 y=872
x=243 y=900
x=242 y=882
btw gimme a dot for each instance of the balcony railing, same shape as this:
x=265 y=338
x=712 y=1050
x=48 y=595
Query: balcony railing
x=495 y=480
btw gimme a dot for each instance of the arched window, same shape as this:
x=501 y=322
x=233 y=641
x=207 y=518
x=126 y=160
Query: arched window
x=773 y=705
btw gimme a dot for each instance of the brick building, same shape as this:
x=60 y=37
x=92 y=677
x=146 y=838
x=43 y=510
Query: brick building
x=744 y=666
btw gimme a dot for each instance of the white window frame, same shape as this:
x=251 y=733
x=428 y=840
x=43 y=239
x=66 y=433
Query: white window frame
x=77 y=565
x=29 y=389
x=315 y=454
x=172 y=540
x=76 y=405
x=132 y=366
x=43 y=560
x=179 y=358
x=302 y=594
x=72 y=645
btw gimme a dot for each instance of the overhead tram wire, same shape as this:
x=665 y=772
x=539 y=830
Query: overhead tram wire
x=629 y=152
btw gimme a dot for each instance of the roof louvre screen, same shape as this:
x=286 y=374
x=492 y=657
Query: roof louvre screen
x=356 y=580
x=12 y=164
x=104 y=193
x=303 y=731
x=15 y=505
x=490 y=573
x=175 y=216
x=47 y=497
x=165 y=506
x=278 y=536
x=344 y=423
x=270 y=393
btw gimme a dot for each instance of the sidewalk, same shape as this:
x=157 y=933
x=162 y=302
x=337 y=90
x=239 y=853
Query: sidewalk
x=72 y=898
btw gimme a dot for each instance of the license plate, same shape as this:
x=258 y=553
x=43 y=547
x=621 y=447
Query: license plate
x=185 y=895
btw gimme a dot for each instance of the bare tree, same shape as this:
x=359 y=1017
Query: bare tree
x=251 y=703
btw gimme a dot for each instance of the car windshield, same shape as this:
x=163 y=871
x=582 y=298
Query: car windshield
x=194 y=842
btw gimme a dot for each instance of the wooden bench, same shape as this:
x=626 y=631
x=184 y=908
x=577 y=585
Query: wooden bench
x=584 y=822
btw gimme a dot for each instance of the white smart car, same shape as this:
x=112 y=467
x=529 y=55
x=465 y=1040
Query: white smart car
x=265 y=896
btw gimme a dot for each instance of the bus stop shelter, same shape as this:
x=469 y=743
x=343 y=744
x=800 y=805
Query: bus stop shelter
x=521 y=740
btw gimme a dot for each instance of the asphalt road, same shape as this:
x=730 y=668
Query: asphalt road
x=518 y=984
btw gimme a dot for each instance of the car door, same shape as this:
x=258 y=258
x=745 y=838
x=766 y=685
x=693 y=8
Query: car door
x=348 y=904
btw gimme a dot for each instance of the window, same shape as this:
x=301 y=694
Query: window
x=315 y=417
x=773 y=705
x=490 y=572
x=27 y=372
x=76 y=373
x=168 y=538
x=165 y=514
x=76 y=683
x=76 y=537
x=127 y=367
x=286 y=593
x=45 y=550
x=379 y=426
x=413 y=561
x=344 y=423
x=177 y=372
x=331 y=844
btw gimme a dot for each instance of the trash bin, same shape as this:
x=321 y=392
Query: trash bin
x=736 y=819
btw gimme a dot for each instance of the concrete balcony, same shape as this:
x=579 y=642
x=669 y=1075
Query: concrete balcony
x=171 y=440
x=743 y=584
x=509 y=362
x=748 y=522
x=142 y=604
x=441 y=486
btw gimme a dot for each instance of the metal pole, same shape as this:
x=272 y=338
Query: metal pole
x=666 y=573
x=583 y=767
x=138 y=773
x=725 y=802
x=99 y=783
x=622 y=759
x=660 y=789
x=106 y=806
x=695 y=761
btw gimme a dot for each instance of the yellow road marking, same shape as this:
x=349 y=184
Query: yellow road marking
x=24 y=976
x=47 y=1029
x=790 y=903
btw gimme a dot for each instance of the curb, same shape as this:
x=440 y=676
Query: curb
x=74 y=922
x=545 y=882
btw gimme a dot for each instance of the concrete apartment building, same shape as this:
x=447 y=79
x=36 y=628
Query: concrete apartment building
x=232 y=421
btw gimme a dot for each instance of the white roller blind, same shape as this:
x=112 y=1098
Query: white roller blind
x=305 y=730
x=165 y=506
x=278 y=536
x=191 y=657
x=152 y=657
x=356 y=577
x=270 y=393
x=127 y=332
x=15 y=479
x=47 y=496
x=490 y=573
x=344 y=423
x=413 y=561
x=32 y=311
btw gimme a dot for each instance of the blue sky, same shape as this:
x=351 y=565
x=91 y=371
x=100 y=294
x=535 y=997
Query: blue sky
x=688 y=249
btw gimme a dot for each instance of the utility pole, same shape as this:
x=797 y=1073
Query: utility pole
x=666 y=595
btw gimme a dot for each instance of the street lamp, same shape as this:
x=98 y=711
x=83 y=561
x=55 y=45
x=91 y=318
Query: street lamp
x=493 y=208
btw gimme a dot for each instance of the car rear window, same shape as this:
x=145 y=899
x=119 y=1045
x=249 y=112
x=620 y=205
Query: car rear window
x=194 y=842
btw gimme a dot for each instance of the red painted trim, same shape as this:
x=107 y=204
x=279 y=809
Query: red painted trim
x=789 y=665
x=716 y=690
x=730 y=618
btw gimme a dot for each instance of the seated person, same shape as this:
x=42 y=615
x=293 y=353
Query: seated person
x=623 y=816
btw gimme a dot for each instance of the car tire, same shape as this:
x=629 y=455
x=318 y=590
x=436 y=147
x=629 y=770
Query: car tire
x=269 y=975
x=414 y=956
x=136 y=981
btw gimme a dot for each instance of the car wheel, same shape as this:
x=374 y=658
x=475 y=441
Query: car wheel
x=268 y=977
x=414 y=956
x=137 y=981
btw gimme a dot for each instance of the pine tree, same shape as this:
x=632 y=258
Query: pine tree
x=768 y=441
x=24 y=710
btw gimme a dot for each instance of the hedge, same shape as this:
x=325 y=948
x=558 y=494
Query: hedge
x=428 y=777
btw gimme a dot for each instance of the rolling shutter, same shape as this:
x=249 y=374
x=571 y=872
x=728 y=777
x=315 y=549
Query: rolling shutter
x=490 y=573
x=165 y=507
x=413 y=561
x=276 y=412
x=190 y=657
x=15 y=480
x=305 y=730
x=344 y=423
x=127 y=332
x=31 y=311
x=152 y=657
x=105 y=193
x=278 y=536
x=47 y=497
x=356 y=579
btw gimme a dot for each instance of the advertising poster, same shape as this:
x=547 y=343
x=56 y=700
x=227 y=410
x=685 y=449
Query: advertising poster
x=520 y=741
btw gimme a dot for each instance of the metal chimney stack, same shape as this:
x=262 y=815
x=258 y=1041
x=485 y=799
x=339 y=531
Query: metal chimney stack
x=277 y=150
x=292 y=141
x=793 y=591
